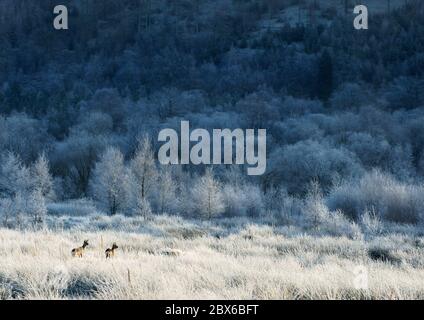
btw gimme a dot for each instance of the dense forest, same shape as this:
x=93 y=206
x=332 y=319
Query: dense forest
x=80 y=109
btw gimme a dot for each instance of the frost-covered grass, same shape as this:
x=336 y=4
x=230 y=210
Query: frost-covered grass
x=222 y=259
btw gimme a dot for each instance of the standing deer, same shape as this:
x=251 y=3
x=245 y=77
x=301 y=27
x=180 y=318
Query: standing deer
x=110 y=252
x=77 y=252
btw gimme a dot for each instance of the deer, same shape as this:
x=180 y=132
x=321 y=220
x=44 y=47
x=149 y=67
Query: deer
x=110 y=252
x=77 y=252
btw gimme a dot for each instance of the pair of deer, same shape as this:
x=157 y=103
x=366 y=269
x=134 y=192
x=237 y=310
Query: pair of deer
x=77 y=252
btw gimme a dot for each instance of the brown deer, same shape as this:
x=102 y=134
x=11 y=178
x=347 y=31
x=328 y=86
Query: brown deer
x=77 y=252
x=110 y=252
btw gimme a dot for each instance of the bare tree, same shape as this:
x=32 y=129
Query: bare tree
x=143 y=168
x=166 y=190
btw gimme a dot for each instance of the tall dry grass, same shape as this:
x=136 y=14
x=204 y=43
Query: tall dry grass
x=248 y=262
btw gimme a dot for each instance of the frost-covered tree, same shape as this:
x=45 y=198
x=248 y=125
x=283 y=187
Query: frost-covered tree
x=24 y=190
x=405 y=92
x=108 y=101
x=315 y=209
x=6 y=210
x=143 y=168
x=42 y=180
x=19 y=209
x=207 y=195
x=24 y=136
x=350 y=96
x=15 y=177
x=243 y=199
x=274 y=198
x=36 y=207
x=143 y=208
x=296 y=165
x=74 y=159
x=166 y=187
x=110 y=182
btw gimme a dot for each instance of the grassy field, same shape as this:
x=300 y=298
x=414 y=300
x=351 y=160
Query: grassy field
x=170 y=258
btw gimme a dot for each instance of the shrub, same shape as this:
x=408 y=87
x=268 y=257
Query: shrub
x=383 y=255
x=318 y=216
x=391 y=200
x=281 y=206
x=80 y=207
x=370 y=223
x=242 y=200
x=296 y=165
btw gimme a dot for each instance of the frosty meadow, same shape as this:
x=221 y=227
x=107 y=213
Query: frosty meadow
x=200 y=153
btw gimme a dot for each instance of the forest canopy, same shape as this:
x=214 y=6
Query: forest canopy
x=80 y=109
